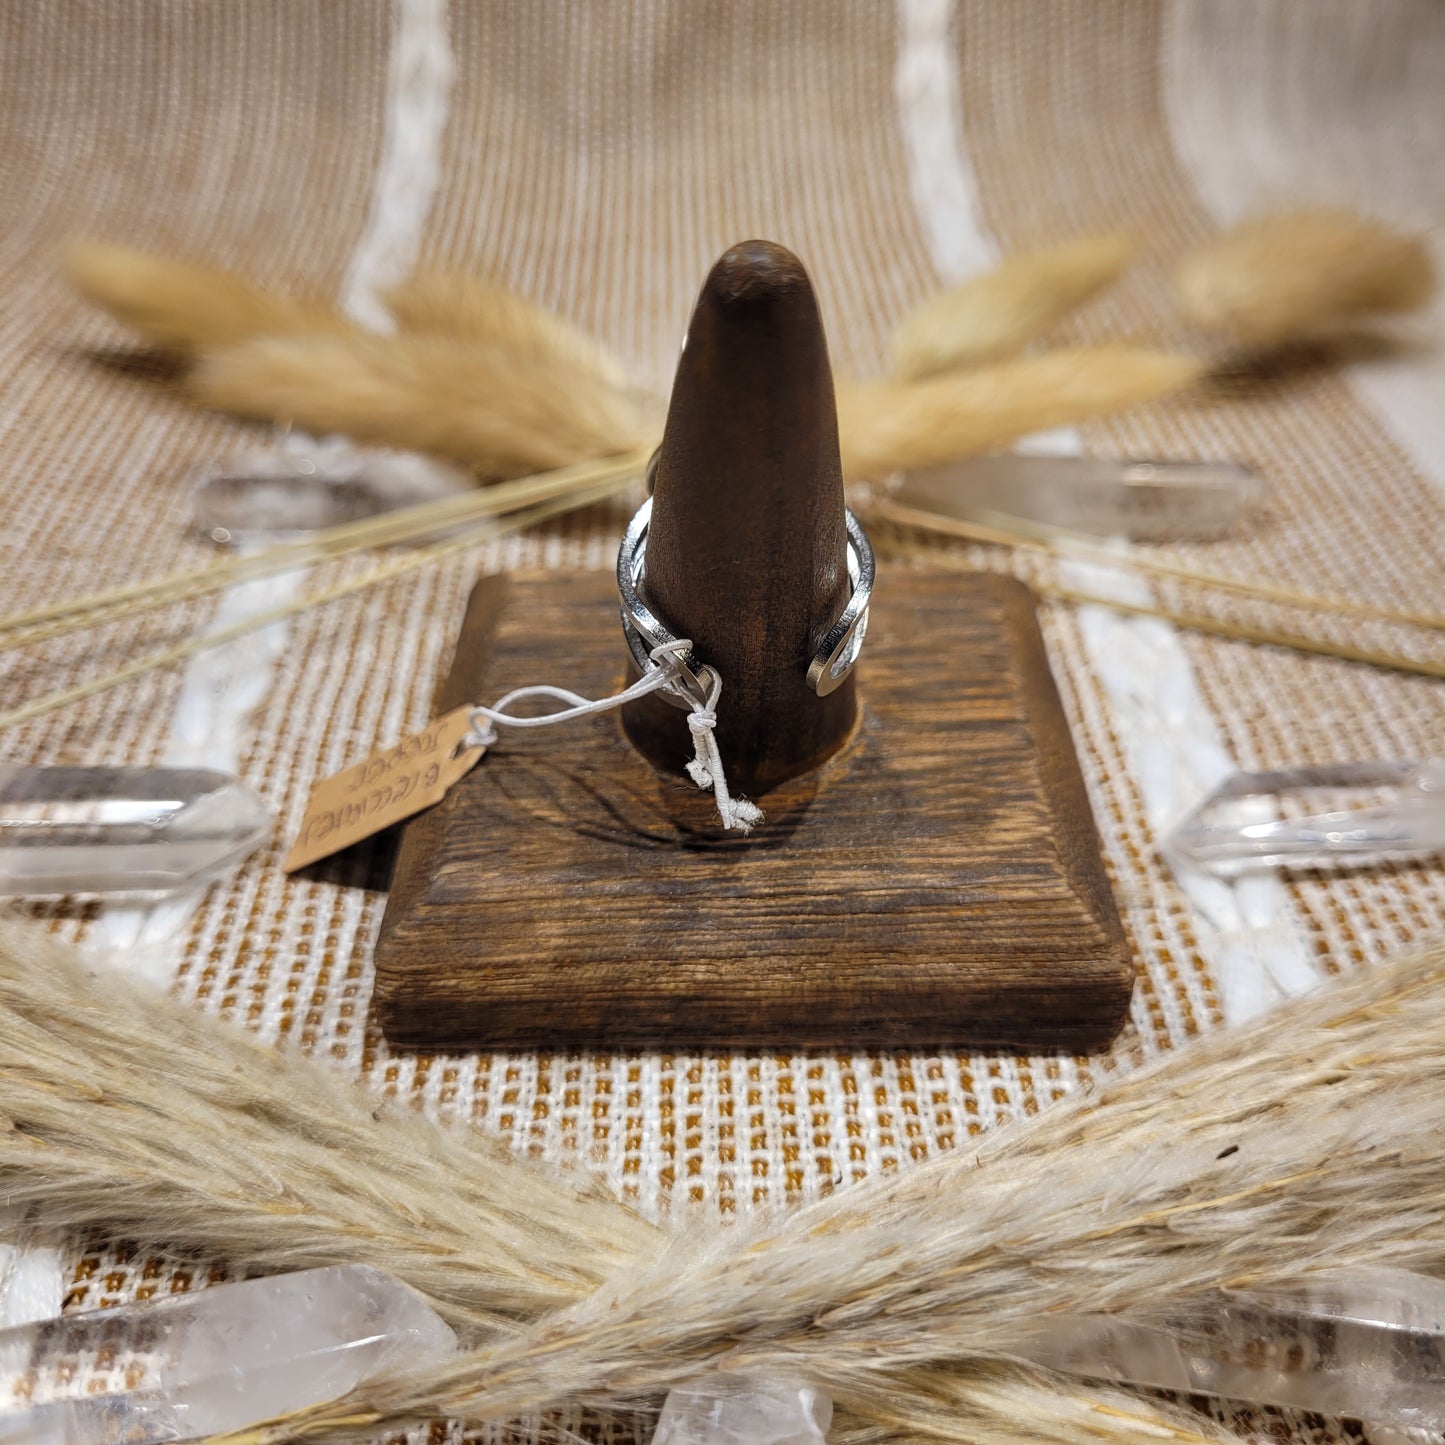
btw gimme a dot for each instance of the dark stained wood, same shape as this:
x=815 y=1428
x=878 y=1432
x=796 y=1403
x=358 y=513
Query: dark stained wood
x=746 y=553
x=939 y=880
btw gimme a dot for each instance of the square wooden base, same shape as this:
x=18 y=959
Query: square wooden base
x=937 y=881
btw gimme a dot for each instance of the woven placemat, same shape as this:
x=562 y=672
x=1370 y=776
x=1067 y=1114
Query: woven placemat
x=598 y=159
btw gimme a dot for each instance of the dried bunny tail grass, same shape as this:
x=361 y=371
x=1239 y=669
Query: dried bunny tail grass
x=1305 y=1142
x=488 y=315
x=997 y=314
x=123 y=1110
x=893 y=426
x=481 y=406
x=185 y=308
x=1283 y=277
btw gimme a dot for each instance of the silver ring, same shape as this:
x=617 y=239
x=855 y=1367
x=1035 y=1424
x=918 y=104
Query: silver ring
x=644 y=631
x=839 y=650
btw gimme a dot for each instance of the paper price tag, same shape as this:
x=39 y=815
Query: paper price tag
x=385 y=788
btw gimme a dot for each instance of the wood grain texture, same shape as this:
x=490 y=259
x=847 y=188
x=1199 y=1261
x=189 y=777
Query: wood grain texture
x=939 y=880
x=747 y=549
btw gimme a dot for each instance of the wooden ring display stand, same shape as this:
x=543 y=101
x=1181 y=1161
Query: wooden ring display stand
x=929 y=869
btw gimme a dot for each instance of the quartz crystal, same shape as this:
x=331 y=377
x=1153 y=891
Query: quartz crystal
x=726 y=1409
x=1368 y=1346
x=305 y=486
x=216 y=1360
x=1350 y=813
x=106 y=830
x=1104 y=497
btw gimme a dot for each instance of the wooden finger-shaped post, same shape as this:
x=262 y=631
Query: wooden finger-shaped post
x=928 y=870
x=747 y=549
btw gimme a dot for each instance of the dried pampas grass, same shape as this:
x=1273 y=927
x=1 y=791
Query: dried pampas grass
x=185 y=308
x=488 y=407
x=1000 y=1403
x=123 y=1110
x=894 y=426
x=1307 y=1142
x=1290 y=276
x=1304 y=1143
x=999 y=313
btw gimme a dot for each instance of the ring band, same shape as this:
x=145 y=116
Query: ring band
x=644 y=631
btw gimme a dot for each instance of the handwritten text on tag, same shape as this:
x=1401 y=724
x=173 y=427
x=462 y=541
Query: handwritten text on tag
x=383 y=789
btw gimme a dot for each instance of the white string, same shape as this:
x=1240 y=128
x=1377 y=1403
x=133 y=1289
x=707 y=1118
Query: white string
x=706 y=768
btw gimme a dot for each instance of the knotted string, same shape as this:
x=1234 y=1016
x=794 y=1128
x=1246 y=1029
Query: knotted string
x=706 y=769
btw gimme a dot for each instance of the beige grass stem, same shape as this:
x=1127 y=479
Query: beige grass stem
x=1195 y=622
x=389 y=529
x=1011 y=532
x=203 y=642
x=1259 y=636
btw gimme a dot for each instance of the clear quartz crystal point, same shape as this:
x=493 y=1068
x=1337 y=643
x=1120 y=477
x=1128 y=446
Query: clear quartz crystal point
x=216 y=1360
x=727 y=1409
x=1354 y=814
x=1369 y=1347
x=305 y=486
x=148 y=831
x=1143 y=501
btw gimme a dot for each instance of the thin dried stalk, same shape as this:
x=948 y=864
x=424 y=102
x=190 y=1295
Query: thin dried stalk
x=895 y=426
x=427 y=392
x=998 y=314
x=120 y=1108
x=489 y=316
x=1304 y=1143
x=1055 y=542
x=405 y=524
x=186 y=308
x=1259 y=636
x=468 y=537
x=1284 y=277
x=1194 y=621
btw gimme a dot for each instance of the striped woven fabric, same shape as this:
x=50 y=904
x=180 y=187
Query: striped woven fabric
x=597 y=159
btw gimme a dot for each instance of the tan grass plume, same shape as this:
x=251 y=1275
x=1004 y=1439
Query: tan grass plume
x=488 y=315
x=484 y=377
x=125 y=1110
x=1286 y=277
x=999 y=313
x=502 y=413
x=1306 y=1142
x=1303 y=1143
x=180 y=307
x=893 y=426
